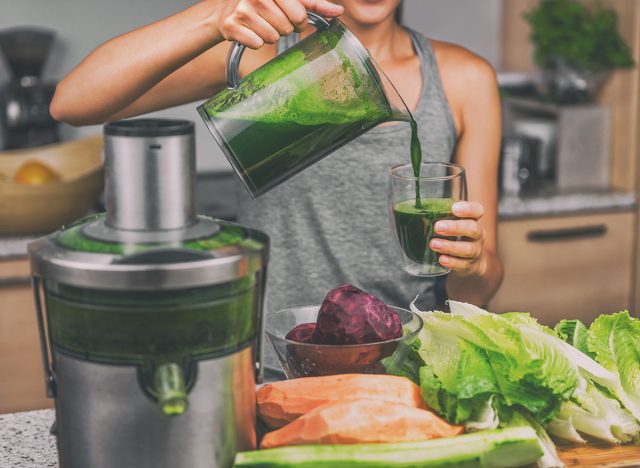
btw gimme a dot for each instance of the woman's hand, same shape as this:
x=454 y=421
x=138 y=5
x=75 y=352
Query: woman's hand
x=256 y=22
x=464 y=256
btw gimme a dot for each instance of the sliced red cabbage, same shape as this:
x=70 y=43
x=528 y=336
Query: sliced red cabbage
x=302 y=333
x=349 y=315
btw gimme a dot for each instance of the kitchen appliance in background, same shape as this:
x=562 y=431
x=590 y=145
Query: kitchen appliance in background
x=518 y=171
x=25 y=120
x=544 y=130
x=150 y=316
x=574 y=141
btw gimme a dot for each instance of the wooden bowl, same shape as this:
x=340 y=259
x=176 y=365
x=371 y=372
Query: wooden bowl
x=31 y=209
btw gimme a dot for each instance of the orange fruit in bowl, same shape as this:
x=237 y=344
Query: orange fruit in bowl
x=35 y=173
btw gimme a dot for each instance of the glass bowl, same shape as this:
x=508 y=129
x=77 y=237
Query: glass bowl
x=308 y=359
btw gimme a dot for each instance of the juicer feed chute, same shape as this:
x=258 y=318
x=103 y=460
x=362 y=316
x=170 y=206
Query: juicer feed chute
x=150 y=315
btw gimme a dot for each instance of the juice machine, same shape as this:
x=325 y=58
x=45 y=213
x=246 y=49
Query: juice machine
x=150 y=316
x=25 y=120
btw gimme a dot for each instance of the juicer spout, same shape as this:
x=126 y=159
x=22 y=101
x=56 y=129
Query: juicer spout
x=170 y=389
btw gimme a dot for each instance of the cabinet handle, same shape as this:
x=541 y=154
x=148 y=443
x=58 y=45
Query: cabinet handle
x=15 y=281
x=573 y=233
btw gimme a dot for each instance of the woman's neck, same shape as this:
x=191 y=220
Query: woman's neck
x=381 y=39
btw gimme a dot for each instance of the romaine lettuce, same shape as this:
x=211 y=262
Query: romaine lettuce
x=614 y=341
x=573 y=332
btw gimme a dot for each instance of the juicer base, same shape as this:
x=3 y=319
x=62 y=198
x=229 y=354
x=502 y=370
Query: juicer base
x=105 y=420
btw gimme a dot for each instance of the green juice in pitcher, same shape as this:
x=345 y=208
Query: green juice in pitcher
x=268 y=154
x=299 y=107
x=271 y=138
x=415 y=228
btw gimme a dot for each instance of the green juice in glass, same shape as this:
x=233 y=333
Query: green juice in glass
x=415 y=223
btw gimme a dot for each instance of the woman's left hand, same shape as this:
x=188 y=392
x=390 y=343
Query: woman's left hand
x=464 y=256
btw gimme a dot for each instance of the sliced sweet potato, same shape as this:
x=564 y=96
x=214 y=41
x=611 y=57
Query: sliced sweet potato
x=281 y=402
x=361 y=421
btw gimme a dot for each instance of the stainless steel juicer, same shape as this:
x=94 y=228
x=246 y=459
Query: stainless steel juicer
x=150 y=316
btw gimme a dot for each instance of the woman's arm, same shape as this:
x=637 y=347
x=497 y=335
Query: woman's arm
x=476 y=268
x=173 y=61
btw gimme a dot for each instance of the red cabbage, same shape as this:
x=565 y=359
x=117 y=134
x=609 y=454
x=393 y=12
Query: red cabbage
x=349 y=315
x=302 y=333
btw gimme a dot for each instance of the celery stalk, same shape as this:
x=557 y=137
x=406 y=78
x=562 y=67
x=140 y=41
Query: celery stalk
x=510 y=447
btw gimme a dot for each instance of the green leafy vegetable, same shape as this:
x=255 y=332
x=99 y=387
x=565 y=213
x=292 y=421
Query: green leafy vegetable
x=482 y=370
x=531 y=369
x=585 y=37
x=573 y=332
x=614 y=340
x=405 y=361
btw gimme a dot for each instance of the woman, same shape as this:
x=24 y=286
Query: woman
x=329 y=224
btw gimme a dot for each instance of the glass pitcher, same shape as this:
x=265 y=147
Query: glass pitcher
x=299 y=107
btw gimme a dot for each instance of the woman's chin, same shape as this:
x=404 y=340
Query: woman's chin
x=369 y=12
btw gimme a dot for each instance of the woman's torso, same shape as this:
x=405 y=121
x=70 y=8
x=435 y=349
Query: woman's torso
x=330 y=225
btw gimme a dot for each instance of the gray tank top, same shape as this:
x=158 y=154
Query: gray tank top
x=329 y=224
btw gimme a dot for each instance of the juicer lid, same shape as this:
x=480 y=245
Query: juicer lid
x=73 y=256
x=150 y=236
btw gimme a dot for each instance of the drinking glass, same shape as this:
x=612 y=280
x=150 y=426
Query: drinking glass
x=416 y=204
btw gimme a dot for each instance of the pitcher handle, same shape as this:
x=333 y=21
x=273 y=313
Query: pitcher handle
x=237 y=49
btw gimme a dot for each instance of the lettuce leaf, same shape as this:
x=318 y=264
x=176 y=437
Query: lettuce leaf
x=613 y=340
x=573 y=332
x=405 y=361
x=457 y=379
x=594 y=412
x=480 y=369
x=529 y=364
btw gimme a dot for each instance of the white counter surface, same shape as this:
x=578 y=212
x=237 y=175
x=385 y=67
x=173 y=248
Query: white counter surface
x=25 y=441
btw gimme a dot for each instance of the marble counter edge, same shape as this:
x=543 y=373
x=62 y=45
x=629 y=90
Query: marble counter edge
x=25 y=441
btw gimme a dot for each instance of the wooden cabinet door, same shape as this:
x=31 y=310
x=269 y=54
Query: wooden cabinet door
x=21 y=372
x=566 y=267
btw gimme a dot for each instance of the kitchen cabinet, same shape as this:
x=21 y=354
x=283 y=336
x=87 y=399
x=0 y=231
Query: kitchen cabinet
x=621 y=93
x=21 y=375
x=567 y=267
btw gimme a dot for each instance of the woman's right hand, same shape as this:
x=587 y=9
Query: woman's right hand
x=256 y=22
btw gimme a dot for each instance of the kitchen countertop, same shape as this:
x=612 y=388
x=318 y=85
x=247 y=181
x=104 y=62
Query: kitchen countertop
x=14 y=246
x=553 y=203
x=25 y=441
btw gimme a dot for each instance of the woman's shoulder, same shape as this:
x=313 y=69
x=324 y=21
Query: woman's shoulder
x=457 y=61
x=465 y=77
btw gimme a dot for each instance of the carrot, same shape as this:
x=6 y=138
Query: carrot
x=281 y=402
x=360 y=421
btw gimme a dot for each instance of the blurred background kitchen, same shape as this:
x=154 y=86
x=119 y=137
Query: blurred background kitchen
x=569 y=172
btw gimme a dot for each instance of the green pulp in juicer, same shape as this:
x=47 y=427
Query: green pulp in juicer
x=135 y=327
x=160 y=326
x=415 y=226
x=73 y=238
